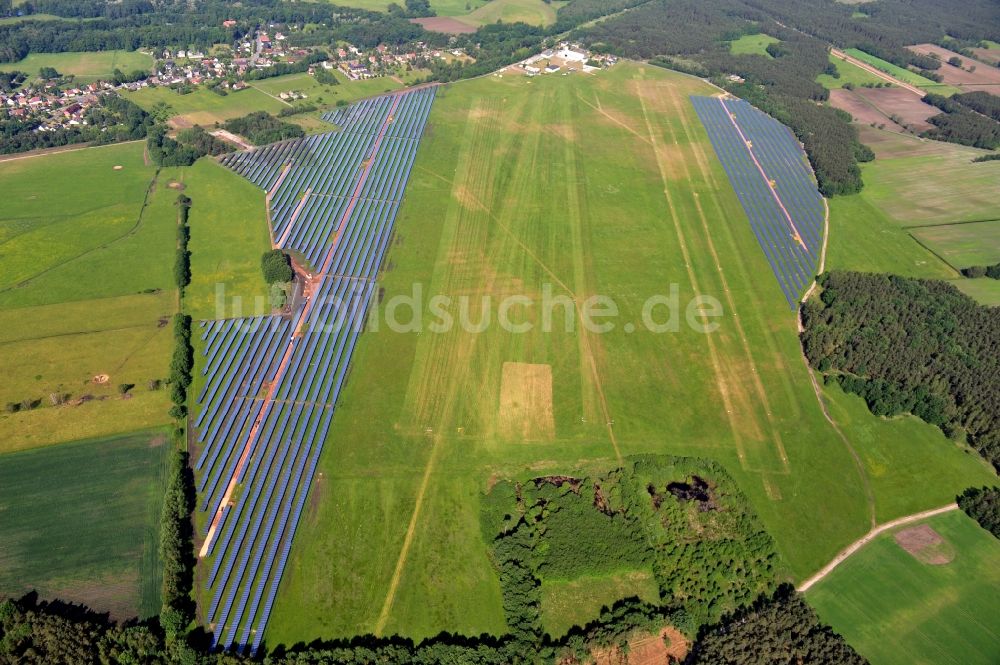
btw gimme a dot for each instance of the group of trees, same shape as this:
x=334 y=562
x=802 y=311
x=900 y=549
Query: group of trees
x=180 y=365
x=182 y=262
x=190 y=145
x=260 y=127
x=963 y=122
x=983 y=505
x=993 y=271
x=283 y=68
x=176 y=556
x=910 y=346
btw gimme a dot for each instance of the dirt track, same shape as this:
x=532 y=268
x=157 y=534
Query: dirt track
x=867 y=538
x=877 y=72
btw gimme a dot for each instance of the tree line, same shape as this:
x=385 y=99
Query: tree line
x=910 y=346
x=983 y=505
x=963 y=122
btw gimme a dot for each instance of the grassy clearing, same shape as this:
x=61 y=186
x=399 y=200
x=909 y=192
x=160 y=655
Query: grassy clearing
x=421 y=411
x=81 y=522
x=933 y=613
x=849 y=73
x=911 y=465
x=904 y=75
x=86 y=66
x=532 y=12
x=229 y=234
x=753 y=45
x=568 y=604
x=963 y=245
x=983 y=290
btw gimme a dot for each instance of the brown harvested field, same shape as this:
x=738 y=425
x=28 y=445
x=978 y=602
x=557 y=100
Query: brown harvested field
x=990 y=56
x=526 y=402
x=984 y=78
x=861 y=110
x=925 y=544
x=669 y=646
x=445 y=24
x=912 y=111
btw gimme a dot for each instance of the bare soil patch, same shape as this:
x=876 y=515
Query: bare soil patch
x=668 y=646
x=526 y=402
x=862 y=111
x=117 y=167
x=176 y=185
x=445 y=24
x=925 y=544
x=101 y=378
x=984 y=77
x=909 y=108
x=989 y=56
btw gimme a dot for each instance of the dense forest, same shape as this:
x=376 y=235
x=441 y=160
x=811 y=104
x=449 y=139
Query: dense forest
x=982 y=505
x=260 y=127
x=961 y=123
x=781 y=629
x=910 y=346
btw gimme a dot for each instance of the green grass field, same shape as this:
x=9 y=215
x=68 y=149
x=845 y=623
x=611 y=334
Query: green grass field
x=983 y=290
x=87 y=67
x=963 y=245
x=532 y=12
x=894 y=608
x=752 y=45
x=86 y=288
x=849 y=73
x=568 y=604
x=904 y=75
x=81 y=523
x=391 y=543
x=204 y=107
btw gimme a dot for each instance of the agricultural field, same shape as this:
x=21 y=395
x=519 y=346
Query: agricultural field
x=753 y=45
x=480 y=12
x=936 y=599
x=95 y=539
x=904 y=75
x=86 y=291
x=86 y=67
x=983 y=290
x=962 y=245
x=441 y=7
x=972 y=75
x=849 y=73
x=390 y=542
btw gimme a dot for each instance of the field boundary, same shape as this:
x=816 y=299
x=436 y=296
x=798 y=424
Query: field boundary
x=867 y=538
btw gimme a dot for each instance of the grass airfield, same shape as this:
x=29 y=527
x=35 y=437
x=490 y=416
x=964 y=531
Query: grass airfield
x=599 y=184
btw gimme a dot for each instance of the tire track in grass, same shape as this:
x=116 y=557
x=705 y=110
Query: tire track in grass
x=693 y=279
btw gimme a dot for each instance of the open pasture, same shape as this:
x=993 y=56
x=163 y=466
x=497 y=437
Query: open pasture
x=919 y=182
x=963 y=245
x=936 y=613
x=982 y=77
x=86 y=67
x=532 y=12
x=271 y=383
x=81 y=523
x=983 y=290
x=768 y=169
x=86 y=289
x=584 y=179
x=440 y=7
x=904 y=75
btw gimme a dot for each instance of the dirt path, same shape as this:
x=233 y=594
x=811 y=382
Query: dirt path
x=236 y=139
x=877 y=72
x=867 y=538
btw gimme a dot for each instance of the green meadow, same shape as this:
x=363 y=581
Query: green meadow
x=904 y=75
x=935 y=613
x=81 y=522
x=849 y=73
x=87 y=66
x=753 y=44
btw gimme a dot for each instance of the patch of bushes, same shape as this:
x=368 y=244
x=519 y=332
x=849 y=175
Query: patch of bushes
x=277 y=267
x=180 y=365
x=260 y=127
x=993 y=271
x=176 y=549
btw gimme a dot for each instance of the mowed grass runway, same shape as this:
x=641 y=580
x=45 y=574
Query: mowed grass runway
x=932 y=613
x=81 y=523
x=572 y=186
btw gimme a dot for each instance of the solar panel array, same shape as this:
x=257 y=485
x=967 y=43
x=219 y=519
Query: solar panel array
x=272 y=382
x=773 y=181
